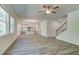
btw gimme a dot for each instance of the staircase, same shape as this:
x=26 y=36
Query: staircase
x=62 y=28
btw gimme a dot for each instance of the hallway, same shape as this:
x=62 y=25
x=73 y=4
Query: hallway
x=39 y=45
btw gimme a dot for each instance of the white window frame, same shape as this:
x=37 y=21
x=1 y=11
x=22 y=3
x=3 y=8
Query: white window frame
x=10 y=27
x=12 y=24
x=6 y=22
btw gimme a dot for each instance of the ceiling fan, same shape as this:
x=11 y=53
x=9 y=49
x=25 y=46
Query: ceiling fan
x=47 y=9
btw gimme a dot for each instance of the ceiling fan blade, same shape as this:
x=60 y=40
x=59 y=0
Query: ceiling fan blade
x=44 y=6
x=55 y=7
x=53 y=12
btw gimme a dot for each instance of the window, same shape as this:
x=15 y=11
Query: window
x=11 y=24
x=6 y=23
x=4 y=18
x=2 y=28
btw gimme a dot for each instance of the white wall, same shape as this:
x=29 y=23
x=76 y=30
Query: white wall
x=43 y=28
x=51 y=32
x=72 y=33
x=60 y=22
x=47 y=28
x=38 y=28
x=18 y=28
x=7 y=40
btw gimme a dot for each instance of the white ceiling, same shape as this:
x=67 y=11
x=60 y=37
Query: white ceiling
x=30 y=11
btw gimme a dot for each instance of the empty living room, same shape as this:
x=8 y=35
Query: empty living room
x=39 y=29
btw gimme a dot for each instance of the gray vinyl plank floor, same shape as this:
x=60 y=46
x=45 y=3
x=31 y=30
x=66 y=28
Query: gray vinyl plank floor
x=38 y=45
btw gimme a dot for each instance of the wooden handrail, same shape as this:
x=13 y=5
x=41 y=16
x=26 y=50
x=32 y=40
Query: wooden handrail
x=61 y=27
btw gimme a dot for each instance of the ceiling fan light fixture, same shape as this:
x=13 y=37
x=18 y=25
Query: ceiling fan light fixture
x=47 y=9
x=48 y=12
